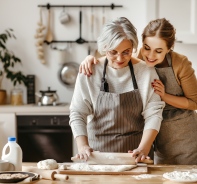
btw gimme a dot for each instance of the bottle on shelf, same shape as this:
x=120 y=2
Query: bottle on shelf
x=15 y=154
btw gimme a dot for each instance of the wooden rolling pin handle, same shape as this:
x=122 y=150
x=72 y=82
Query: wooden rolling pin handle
x=147 y=161
x=60 y=176
x=47 y=174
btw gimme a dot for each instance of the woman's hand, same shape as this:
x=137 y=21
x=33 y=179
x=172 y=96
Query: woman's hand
x=84 y=152
x=159 y=88
x=139 y=155
x=86 y=65
x=181 y=102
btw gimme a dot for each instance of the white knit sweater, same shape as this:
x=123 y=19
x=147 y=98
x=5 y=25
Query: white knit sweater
x=120 y=81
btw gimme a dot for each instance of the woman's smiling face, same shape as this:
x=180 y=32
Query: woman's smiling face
x=121 y=55
x=154 y=50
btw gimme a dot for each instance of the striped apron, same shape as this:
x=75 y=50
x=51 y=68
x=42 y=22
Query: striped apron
x=176 y=142
x=117 y=125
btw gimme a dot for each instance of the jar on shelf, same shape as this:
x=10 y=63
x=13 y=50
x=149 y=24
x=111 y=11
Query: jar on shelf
x=16 y=97
x=3 y=97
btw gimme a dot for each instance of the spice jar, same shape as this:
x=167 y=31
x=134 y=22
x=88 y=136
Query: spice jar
x=16 y=96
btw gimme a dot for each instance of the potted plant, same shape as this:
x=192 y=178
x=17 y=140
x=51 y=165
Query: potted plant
x=8 y=61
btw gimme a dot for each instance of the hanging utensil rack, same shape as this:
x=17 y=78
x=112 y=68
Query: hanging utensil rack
x=112 y=6
x=48 y=6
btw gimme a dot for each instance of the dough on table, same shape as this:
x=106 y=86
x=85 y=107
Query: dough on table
x=101 y=168
x=62 y=167
x=47 y=164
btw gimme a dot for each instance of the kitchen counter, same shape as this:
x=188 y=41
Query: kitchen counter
x=155 y=173
x=62 y=109
x=35 y=109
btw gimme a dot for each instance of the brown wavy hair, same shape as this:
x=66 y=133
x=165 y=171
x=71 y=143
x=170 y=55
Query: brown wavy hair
x=161 y=28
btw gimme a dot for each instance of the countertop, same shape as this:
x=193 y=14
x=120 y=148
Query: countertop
x=35 y=109
x=62 y=109
x=155 y=173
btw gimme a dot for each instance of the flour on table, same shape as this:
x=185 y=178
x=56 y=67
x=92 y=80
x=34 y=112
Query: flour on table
x=144 y=176
x=181 y=176
x=62 y=167
x=101 y=168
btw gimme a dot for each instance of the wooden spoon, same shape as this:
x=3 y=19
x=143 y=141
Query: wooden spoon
x=40 y=22
x=49 y=35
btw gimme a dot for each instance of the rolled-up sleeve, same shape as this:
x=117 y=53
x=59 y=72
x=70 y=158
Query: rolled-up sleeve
x=152 y=104
x=80 y=107
x=153 y=115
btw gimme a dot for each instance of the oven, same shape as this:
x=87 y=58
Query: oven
x=45 y=137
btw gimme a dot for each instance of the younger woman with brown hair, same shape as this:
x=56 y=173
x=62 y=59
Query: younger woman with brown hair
x=176 y=142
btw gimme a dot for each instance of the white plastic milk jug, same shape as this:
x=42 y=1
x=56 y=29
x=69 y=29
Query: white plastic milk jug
x=15 y=154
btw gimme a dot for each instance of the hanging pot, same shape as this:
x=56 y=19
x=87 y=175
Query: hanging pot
x=68 y=73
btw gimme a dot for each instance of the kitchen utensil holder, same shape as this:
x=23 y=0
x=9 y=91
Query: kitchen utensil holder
x=48 y=6
x=112 y=6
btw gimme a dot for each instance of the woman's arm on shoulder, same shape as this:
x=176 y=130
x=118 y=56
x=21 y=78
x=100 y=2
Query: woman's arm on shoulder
x=86 y=65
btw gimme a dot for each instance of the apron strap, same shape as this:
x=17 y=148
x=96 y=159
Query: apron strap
x=132 y=75
x=168 y=57
x=104 y=84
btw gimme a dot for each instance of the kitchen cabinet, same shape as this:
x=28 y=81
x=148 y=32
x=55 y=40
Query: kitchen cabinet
x=181 y=13
x=7 y=128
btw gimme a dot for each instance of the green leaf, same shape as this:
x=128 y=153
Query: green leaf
x=9 y=60
x=2 y=45
x=8 y=33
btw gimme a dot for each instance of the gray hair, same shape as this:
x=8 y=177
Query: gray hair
x=114 y=32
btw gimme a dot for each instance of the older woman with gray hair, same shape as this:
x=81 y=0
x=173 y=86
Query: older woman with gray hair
x=116 y=110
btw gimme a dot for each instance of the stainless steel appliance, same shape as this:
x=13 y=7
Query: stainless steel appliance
x=48 y=97
x=45 y=137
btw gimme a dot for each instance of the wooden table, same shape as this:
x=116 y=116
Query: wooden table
x=155 y=171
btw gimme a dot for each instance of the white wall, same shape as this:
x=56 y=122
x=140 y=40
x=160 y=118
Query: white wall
x=23 y=15
x=189 y=50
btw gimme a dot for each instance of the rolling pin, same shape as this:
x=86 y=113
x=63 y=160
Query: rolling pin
x=104 y=158
x=46 y=174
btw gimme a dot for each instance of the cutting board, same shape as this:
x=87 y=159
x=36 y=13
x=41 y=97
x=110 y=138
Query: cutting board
x=134 y=171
